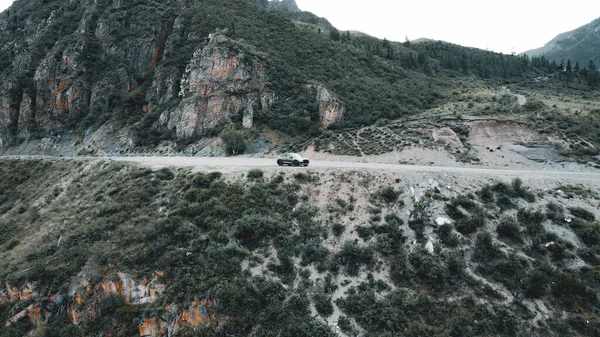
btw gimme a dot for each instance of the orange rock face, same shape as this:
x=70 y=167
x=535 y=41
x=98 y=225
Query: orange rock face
x=152 y=327
x=330 y=109
x=198 y=313
x=13 y=294
x=83 y=304
x=222 y=79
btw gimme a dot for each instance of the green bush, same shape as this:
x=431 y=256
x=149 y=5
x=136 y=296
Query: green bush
x=588 y=232
x=447 y=235
x=555 y=212
x=234 y=140
x=165 y=174
x=389 y=194
x=346 y=325
x=430 y=270
x=508 y=228
x=338 y=229
x=419 y=218
x=582 y=213
x=485 y=250
x=323 y=304
x=255 y=174
x=352 y=257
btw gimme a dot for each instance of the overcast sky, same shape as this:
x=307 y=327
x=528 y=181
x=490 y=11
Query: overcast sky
x=502 y=26
x=4 y=4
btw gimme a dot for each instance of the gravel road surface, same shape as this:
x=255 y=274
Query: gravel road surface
x=240 y=164
x=244 y=163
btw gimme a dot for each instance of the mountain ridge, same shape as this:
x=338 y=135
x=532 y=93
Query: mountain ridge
x=579 y=46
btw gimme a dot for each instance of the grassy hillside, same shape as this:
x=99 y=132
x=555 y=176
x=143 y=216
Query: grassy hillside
x=295 y=253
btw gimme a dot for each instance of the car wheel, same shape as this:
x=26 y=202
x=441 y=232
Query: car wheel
x=296 y=163
x=280 y=162
x=305 y=164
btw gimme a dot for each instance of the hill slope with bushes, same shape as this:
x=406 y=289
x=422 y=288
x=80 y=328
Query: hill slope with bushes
x=91 y=248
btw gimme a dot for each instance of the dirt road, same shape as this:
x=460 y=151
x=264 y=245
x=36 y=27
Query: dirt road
x=245 y=163
x=241 y=164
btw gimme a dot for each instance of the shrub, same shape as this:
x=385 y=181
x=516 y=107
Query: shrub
x=393 y=220
x=234 y=140
x=588 y=232
x=165 y=174
x=313 y=251
x=203 y=180
x=453 y=210
x=582 y=213
x=338 y=229
x=255 y=174
x=447 y=236
x=346 y=325
x=509 y=229
x=305 y=178
x=485 y=249
x=430 y=270
x=12 y=244
x=519 y=191
x=389 y=194
x=352 y=257
x=470 y=224
x=364 y=232
x=486 y=194
x=535 y=285
x=323 y=304
x=255 y=231
x=555 y=212
x=400 y=272
x=419 y=218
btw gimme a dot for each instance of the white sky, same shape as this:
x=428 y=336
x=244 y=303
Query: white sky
x=501 y=25
x=4 y=4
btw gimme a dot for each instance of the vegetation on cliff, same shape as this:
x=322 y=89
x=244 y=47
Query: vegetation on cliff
x=253 y=254
x=123 y=63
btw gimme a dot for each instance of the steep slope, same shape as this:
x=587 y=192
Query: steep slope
x=73 y=66
x=581 y=45
x=105 y=248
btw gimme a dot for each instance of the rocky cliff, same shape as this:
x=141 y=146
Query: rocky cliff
x=76 y=67
x=223 y=78
x=331 y=109
x=287 y=6
x=81 y=304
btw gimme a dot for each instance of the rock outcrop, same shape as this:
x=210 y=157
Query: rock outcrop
x=286 y=6
x=81 y=304
x=224 y=78
x=331 y=109
x=76 y=67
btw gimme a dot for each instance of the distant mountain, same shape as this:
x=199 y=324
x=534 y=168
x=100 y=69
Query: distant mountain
x=580 y=45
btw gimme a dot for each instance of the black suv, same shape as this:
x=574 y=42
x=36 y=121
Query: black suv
x=292 y=159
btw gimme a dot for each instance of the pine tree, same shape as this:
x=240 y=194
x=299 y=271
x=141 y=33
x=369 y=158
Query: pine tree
x=592 y=75
x=335 y=34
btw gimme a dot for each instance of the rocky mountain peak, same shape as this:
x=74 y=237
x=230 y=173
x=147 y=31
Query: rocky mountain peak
x=287 y=6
